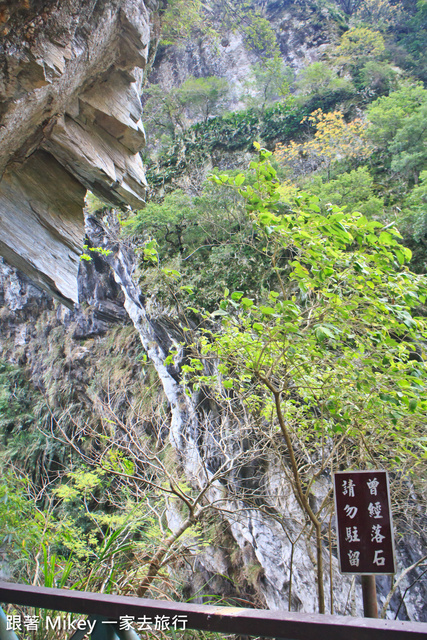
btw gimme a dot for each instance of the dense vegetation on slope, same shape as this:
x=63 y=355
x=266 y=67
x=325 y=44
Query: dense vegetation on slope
x=295 y=274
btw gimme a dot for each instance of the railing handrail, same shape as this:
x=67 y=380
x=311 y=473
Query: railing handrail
x=267 y=623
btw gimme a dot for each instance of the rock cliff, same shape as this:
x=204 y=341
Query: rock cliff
x=70 y=80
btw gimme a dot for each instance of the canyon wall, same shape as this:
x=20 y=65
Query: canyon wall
x=70 y=83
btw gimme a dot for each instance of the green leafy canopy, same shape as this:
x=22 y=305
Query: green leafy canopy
x=340 y=340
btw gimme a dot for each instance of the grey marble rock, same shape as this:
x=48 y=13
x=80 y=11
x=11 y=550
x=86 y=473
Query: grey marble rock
x=70 y=81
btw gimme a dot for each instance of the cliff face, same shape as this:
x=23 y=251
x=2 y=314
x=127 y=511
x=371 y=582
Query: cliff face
x=70 y=80
x=303 y=34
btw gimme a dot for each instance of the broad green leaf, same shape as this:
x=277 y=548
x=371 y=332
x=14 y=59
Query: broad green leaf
x=266 y=311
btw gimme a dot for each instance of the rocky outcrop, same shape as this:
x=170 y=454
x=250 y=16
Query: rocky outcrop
x=303 y=33
x=70 y=80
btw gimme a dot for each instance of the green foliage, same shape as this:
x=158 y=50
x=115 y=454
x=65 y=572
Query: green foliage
x=166 y=109
x=259 y=35
x=349 y=6
x=23 y=525
x=204 y=95
x=88 y=529
x=99 y=250
x=317 y=300
x=179 y=19
x=379 y=13
x=196 y=239
x=233 y=132
x=328 y=362
x=409 y=146
x=93 y=204
x=397 y=127
x=320 y=79
x=378 y=77
x=358 y=47
x=163 y=110
x=22 y=407
x=414 y=214
x=359 y=44
x=412 y=35
x=352 y=191
x=388 y=114
x=76 y=540
x=16 y=400
x=336 y=349
x=168 y=221
x=269 y=82
x=282 y=122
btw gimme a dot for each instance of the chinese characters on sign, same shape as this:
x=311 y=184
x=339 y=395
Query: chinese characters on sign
x=365 y=533
x=68 y=623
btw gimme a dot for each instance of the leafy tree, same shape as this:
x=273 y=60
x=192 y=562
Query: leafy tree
x=388 y=114
x=166 y=108
x=259 y=34
x=168 y=220
x=352 y=191
x=398 y=128
x=319 y=79
x=24 y=526
x=414 y=214
x=378 y=77
x=358 y=47
x=179 y=18
x=360 y=43
x=379 y=13
x=197 y=237
x=268 y=83
x=409 y=146
x=334 y=140
x=332 y=359
x=204 y=96
x=163 y=110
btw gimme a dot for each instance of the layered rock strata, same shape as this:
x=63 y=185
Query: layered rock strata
x=70 y=81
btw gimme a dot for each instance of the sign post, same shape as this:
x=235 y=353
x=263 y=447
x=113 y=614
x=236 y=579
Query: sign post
x=365 y=531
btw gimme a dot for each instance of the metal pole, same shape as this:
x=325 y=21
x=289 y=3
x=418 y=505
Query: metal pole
x=369 y=592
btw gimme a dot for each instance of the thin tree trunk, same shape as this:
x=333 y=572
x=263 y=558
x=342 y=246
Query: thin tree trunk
x=291 y=570
x=299 y=493
x=156 y=562
x=320 y=585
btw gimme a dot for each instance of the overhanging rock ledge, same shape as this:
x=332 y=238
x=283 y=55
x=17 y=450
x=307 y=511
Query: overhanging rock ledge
x=70 y=81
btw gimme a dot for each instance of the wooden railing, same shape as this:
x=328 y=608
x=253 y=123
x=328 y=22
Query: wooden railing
x=109 y=612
